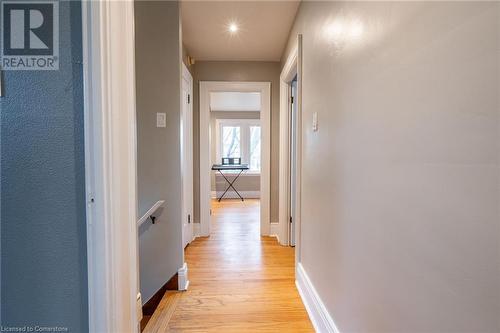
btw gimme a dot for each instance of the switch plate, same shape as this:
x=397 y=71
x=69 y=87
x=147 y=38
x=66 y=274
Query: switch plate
x=161 y=120
x=315 y=121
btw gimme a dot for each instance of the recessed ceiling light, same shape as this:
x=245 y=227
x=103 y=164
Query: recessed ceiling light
x=233 y=28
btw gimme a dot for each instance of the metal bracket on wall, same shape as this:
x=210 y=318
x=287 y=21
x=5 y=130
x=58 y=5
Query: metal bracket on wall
x=150 y=213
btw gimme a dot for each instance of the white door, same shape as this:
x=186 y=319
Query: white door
x=187 y=156
x=293 y=159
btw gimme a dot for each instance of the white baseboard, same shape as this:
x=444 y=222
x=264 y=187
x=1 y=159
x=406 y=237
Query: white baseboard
x=233 y=195
x=320 y=318
x=274 y=230
x=182 y=275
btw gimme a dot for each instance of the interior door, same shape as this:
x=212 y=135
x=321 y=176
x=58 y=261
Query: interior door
x=187 y=156
x=293 y=159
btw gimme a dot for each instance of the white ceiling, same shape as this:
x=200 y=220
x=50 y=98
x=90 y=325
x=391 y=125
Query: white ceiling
x=234 y=101
x=263 y=29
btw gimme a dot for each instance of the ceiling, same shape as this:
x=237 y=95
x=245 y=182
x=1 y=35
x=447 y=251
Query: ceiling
x=263 y=28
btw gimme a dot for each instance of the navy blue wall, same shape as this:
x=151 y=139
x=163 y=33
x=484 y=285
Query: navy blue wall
x=43 y=235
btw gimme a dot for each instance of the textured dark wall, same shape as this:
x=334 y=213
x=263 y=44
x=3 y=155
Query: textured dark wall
x=43 y=234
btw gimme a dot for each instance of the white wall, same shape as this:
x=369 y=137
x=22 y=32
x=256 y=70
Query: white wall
x=400 y=187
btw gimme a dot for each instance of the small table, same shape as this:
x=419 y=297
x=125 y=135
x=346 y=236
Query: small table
x=230 y=167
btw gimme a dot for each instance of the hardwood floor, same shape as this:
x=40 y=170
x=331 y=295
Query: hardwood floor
x=163 y=313
x=239 y=281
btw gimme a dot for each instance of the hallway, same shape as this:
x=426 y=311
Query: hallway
x=367 y=134
x=239 y=282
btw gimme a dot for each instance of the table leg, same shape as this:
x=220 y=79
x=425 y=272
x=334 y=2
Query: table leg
x=231 y=185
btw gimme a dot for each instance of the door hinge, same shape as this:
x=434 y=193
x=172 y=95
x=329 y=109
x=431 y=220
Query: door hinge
x=189 y=218
x=291 y=99
x=210 y=211
x=290 y=219
x=189 y=98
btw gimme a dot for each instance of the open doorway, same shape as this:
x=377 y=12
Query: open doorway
x=234 y=151
x=290 y=155
x=293 y=159
x=235 y=144
x=187 y=155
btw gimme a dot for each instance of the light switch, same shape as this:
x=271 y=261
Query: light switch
x=161 y=120
x=315 y=121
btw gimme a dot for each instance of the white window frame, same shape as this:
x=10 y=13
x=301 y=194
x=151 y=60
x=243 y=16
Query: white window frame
x=245 y=125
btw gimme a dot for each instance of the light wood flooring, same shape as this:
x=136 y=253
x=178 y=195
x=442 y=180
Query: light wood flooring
x=239 y=281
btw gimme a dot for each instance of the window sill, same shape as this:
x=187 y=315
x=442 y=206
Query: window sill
x=251 y=174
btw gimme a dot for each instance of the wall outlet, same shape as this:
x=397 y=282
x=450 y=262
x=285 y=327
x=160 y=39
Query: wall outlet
x=161 y=120
x=315 y=121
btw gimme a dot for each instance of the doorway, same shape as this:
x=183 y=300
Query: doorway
x=290 y=155
x=234 y=138
x=293 y=159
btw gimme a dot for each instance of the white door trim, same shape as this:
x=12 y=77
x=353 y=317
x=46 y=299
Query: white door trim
x=292 y=68
x=187 y=208
x=206 y=87
x=110 y=164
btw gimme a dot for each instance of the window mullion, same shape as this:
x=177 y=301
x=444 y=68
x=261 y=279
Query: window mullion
x=245 y=143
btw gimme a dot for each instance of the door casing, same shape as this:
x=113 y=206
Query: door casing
x=111 y=166
x=291 y=69
x=187 y=155
x=206 y=87
x=292 y=209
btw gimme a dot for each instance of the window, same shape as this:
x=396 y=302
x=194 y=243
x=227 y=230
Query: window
x=231 y=146
x=254 y=148
x=240 y=138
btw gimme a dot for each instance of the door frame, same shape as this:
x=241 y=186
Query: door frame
x=186 y=76
x=114 y=302
x=206 y=87
x=292 y=68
